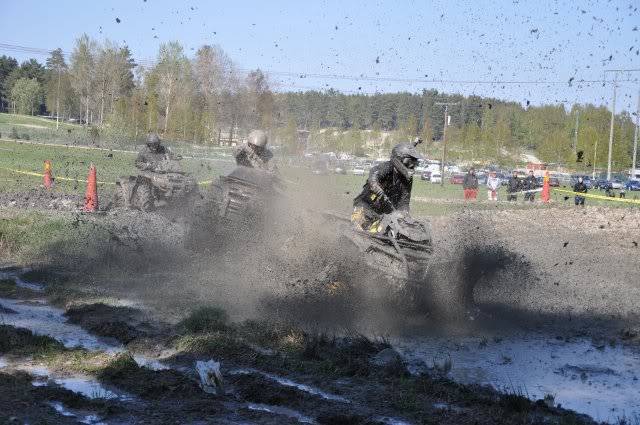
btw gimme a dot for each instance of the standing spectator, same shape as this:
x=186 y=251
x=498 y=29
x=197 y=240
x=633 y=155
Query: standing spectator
x=529 y=184
x=580 y=187
x=470 y=185
x=493 y=183
x=623 y=193
x=513 y=186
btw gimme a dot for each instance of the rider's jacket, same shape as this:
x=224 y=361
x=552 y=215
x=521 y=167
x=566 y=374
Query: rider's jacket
x=385 y=190
x=150 y=159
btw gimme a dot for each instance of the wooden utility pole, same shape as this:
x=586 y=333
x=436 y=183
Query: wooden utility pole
x=635 y=139
x=444 y=137
x=613 y=115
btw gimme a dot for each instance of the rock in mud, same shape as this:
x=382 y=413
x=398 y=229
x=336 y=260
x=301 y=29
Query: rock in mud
x=210 y=376
x=389 y=360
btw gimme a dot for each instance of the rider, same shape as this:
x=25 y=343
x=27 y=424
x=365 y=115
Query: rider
x=388 y=187
x=254 y=153
x=153 y=154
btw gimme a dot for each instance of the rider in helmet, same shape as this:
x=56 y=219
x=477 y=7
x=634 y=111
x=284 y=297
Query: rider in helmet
x=152 y=154
x=254 y=153
x=580 y=187
x=388 y=187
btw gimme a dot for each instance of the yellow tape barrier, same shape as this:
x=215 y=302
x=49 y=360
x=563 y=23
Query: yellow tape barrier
x=31 y=173
x=606 y=198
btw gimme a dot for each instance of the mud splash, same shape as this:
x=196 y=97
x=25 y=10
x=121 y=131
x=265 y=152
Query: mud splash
x=596 y=379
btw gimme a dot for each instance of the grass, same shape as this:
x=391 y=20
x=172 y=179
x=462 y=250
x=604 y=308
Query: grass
x=206 y=319
x=73 y=163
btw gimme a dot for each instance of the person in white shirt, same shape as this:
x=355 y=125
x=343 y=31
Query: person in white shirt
x=493 y=183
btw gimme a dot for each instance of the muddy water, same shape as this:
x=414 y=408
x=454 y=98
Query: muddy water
x=42 y=319
x=601 y=381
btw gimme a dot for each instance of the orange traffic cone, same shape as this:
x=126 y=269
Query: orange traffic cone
x=546 y=193
x=47 y=179
x=91 y=197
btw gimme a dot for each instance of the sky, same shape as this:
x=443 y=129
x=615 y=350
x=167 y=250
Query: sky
x=502 y=49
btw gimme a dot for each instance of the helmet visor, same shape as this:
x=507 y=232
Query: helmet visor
x=410 y=162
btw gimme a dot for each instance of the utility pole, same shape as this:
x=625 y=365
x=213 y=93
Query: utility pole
x=444 y=136
x=635 y=139
x=613 y=114
x=575 y=134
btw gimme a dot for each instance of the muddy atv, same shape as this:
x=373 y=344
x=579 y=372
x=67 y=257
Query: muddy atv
x=236 y=205
x=398 y=251
x=167 y=186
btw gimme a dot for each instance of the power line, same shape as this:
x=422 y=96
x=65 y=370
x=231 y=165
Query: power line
x=362 y=77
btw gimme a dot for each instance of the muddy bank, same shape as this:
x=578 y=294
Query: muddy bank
x=271 y=374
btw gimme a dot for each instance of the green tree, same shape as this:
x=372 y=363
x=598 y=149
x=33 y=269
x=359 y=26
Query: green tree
x=26 y=96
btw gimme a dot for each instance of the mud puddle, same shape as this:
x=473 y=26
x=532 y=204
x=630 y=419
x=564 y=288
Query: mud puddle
x=281 y=411
x=15 y=274
x=81 y=416
x=599 y=380
x=289 y=383
x=42 y=319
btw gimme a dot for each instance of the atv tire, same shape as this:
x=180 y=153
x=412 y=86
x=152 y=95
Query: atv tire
x=142 y=198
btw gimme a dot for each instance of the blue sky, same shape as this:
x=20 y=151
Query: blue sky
x=471 y=41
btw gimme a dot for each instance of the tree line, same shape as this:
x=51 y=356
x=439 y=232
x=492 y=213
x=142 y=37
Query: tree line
x=206 y=99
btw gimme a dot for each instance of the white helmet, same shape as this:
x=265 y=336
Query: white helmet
x=258 y=138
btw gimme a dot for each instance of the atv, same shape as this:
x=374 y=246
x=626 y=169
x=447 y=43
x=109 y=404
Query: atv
x=168 y=185
x=236 y=205
x=398 y=249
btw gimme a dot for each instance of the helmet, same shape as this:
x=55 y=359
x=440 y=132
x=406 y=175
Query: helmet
x=258 y=138
x=153 y=139
x=404 y=158
x=580 y=179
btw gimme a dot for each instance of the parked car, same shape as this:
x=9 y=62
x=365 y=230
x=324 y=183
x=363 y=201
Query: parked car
x=553 y=181
x=357 y=171
x=340 y=170
x=425 y=175
x=617 y=183
x=632 y=185
x=456 y=179
x=436 y=178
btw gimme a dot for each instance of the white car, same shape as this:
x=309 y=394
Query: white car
x=436 y=178
x=357 y=171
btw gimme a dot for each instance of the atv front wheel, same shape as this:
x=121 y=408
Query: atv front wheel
x=142 y=198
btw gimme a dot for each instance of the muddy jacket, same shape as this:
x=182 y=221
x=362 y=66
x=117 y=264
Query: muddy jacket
x=248 y=157
x=384 y=183
x=513 y=185
x=580 y=187
x=470 y=181
x=529 y=183
x=152 y=160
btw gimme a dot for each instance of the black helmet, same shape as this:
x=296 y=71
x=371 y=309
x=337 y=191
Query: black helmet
x=153 y=139
x=405 y=157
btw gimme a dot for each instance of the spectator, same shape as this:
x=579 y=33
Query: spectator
x=530 y=183
x=493 y=183
x=470 y=185
x=623 y=193
x=580 y=187
x=513 y=186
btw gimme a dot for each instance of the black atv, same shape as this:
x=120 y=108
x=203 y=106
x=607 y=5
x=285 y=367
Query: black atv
x=168 y=185
x=236 y=205
x=397 y=250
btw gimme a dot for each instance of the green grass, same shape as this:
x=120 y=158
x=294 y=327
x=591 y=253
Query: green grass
x=28 y=120
x=74 y=163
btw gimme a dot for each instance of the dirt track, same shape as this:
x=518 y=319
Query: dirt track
x=548 y=268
